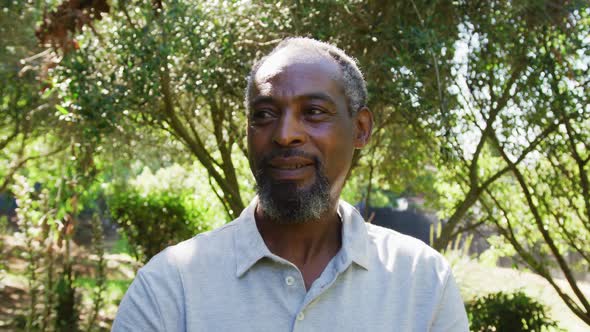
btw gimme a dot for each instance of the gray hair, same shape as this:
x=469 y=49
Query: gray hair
x=355 y=87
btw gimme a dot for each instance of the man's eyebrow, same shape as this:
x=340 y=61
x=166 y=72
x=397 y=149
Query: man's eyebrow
x=318 y=95
x=315 y=95
x=262 y=100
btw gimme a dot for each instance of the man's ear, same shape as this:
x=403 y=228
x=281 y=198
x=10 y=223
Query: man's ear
x=363 y=124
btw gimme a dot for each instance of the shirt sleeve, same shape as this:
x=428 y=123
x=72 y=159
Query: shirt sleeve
x=450 y=315
x=154 y=301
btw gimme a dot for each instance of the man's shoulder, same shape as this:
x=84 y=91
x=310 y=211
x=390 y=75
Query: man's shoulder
x=392 y=247
x=210 y=241
x=390 y=237
x=400 y=251
x=197 y=250
x=157 y=296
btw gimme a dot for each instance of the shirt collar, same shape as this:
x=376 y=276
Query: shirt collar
x=355 y=240
x=250 y=247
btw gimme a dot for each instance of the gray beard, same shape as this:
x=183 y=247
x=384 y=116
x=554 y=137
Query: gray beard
x=284 y=203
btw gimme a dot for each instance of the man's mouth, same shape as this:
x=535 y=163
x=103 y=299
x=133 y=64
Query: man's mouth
x=290 y=162
x=291 y=168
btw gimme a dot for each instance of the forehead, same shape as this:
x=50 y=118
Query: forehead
x=297 y=72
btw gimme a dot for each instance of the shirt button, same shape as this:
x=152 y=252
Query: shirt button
x=300 y=316
x=289 y=280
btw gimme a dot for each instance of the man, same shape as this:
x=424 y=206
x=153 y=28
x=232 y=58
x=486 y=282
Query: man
x=298 y=258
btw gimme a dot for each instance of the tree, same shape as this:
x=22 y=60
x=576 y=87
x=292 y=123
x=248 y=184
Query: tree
x=401 y=47
x=495 y=83
x=25 y=111
x=181 y=68
x=523 y=92
x=546 y=217
x=154 y=64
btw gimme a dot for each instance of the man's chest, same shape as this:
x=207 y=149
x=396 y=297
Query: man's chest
x=275 y=299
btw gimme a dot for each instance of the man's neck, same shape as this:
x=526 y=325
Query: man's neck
x=308 y=245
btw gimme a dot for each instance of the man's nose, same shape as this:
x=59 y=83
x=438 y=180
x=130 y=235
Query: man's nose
x=289 y=131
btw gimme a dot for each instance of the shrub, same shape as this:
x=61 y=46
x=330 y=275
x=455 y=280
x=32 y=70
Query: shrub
x=153 y=221
x=510 y=312
x=155 y=210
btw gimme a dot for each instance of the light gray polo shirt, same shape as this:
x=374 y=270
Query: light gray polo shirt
x=228 y=280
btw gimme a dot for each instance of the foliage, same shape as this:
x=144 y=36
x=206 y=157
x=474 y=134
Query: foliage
x=26 y=111
x=156 y=211
x=3 y=226
x=99 y=290
x=536 y=149
x=402 y=48
x=152 y=222
x=513 y=312
x=30 y=220
x=500 y=79
x=66 y=311
x=161 y=57
x=54 y=299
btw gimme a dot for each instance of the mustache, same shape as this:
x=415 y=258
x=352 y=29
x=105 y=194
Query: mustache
x=265 y=161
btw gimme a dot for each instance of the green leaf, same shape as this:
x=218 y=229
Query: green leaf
x=62 y=109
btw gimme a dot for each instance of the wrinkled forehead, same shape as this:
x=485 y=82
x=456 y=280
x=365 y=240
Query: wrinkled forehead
x=299 y=67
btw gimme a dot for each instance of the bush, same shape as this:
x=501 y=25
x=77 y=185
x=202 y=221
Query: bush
x=505 y=312
x=154 y=221
x=155 y=210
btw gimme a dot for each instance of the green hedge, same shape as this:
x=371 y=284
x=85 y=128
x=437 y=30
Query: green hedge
x=508 y=312
x=155 y=220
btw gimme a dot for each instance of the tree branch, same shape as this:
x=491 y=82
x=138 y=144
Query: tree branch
x=540 y=226
x=22 y=162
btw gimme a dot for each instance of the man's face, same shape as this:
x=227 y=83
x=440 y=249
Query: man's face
x=301 y=137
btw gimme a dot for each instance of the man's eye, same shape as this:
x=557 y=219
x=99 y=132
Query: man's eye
x=262 y=114
x=315 y=111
